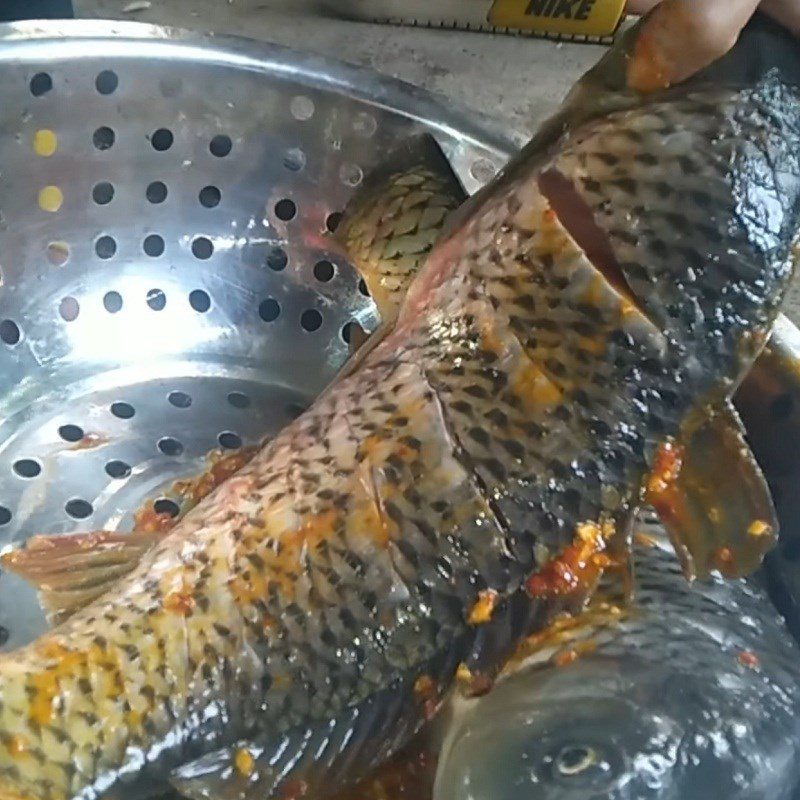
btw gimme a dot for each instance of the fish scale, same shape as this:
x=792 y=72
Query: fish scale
x=392 y=231
x=702 y=200
x=555 y=424
x=377 y=572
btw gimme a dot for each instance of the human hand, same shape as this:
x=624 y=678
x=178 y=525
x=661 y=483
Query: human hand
x=684 y=36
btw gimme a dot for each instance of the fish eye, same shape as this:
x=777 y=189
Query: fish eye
x=584 y=766
x=575 y=759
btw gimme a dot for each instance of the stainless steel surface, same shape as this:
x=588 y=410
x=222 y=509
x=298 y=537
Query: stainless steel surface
x=519 y=80
x=170 y=303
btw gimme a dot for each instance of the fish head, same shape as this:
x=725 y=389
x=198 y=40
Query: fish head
x=611 y=729
x=570 y=734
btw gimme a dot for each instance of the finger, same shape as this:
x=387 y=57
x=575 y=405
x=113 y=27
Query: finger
x=640 y=6
x=682 y=37
x=787 y=12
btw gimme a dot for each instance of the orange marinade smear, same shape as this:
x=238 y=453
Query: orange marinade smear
x=661 y=491
x=222 y=466
x=577 y=568
x=407 y=776
x=90 y=441
x=749 y=659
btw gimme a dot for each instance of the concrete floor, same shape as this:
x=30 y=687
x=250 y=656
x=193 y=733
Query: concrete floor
x=520 y=80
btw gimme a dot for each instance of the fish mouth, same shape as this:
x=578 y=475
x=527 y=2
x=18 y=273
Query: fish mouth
x=578 y=219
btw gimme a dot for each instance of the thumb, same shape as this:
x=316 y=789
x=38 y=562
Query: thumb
x=682 y=37
x=640 y=6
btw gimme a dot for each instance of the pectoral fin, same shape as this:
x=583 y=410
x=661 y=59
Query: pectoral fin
x=72 y=571
x=713 y=499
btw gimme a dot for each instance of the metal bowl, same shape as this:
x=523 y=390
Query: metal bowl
x=165 y=281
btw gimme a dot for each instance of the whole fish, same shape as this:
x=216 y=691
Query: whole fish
x=580 y=327
x=692 y=693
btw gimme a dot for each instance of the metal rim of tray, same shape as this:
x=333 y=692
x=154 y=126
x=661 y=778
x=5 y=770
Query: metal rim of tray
x=139 y=39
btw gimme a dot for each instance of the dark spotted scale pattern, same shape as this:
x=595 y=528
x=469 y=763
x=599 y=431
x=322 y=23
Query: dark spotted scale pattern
x=693 y=246
x=517 y=400
x=395 y=218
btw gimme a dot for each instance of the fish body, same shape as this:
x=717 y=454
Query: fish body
x=396 y=217
x=690 y=693
x=471 y=479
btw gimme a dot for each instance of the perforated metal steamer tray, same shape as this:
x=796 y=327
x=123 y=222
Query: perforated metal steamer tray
x=166 y=282
x=167 y=285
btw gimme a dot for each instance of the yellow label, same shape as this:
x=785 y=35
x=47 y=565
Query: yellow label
x=572 y=17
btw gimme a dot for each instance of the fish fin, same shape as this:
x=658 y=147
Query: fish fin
x=396 y=216
x=70 y=571
x=716 y=507
x=768 y=398
x=326 y=753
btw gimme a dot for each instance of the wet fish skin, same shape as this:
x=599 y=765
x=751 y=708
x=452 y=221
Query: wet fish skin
x=519 y=397
x=694 y=693
x=390 y=226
